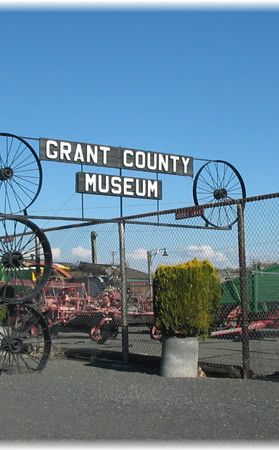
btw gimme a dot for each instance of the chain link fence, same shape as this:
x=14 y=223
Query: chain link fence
x=89 y=314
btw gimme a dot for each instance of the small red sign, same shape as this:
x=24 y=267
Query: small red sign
x=186 y=213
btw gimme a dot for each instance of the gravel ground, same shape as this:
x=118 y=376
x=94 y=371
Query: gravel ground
x=76 y=400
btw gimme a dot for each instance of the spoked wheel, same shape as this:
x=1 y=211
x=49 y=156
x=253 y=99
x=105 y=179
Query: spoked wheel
x=20 y=174
x=97 y=334
x=25 y=260
x=25 y=342
x=155 y=333
x=216 y=182
x=106 y=329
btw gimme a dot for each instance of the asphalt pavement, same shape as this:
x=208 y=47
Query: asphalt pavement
x=263 y=357
x=75 y=400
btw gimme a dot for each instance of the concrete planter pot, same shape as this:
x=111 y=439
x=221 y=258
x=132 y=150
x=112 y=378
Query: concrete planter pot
x=179 y=357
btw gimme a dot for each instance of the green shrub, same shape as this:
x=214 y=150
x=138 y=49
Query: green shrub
x=186 y=298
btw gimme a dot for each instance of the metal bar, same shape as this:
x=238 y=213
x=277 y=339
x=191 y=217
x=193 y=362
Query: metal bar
x=176 y=225
x=165 y=212
x=82 y=197
x=122 y=253
x=158 y=201
x=150 y=214
x=62 y=218
x=243 y=291
x=134 y=222
x=58 y=218
x=93 y=236
x=207 y=205
x=63 y=227
x=149 y=260
x=121 y=198
x=30 y=138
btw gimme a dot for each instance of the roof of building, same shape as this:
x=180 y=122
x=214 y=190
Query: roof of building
x=106 y=270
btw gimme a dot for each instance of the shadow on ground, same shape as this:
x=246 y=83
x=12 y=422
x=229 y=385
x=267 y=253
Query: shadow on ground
x=149 y=365
x=120 y=367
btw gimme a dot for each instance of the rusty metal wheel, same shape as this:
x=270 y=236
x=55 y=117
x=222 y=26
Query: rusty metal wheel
x=25 y=342
x=96 y=334
x=216 y=182
x=104 y=330
x=25 y=260
x=155 y=333
x=20 y=174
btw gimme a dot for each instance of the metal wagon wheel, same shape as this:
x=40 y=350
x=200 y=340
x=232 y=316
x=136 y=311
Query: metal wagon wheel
x=25 y=342
x=216 y=182
x=25 y=260
x=155 y=333
x=104 y=330
x=96 y=334
x=20 y=174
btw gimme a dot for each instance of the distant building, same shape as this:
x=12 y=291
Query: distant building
x=98 y=276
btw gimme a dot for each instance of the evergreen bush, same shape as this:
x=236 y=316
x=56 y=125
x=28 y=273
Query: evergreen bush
x=186 y=298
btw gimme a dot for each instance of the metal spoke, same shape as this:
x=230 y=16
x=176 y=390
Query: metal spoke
x=24 y=190
x=217 y=173
x=16 y=154
x=212 y=179
x=24 y=165
x=17 y=197
x=23 y=160
x=18 y=245
x=206 y=182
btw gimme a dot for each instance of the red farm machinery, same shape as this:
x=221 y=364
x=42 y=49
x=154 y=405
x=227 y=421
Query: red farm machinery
x=263 y=310
x=65 y=303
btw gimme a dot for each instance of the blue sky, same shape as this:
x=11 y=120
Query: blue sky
x=196 y=82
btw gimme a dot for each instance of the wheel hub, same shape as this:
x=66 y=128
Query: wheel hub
x=6 y=173
x=12 y=259
x=11 y=344
x=220 y=194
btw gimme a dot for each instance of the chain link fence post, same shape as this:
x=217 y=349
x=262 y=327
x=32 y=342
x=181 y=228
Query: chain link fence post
x=243 y=291
x=124 y=309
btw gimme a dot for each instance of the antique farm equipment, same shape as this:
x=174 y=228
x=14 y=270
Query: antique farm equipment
x=263 y=290
x=233 y=329
x=62 y=301
x=263 y=313
x=25 y=265
x=65 y=303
